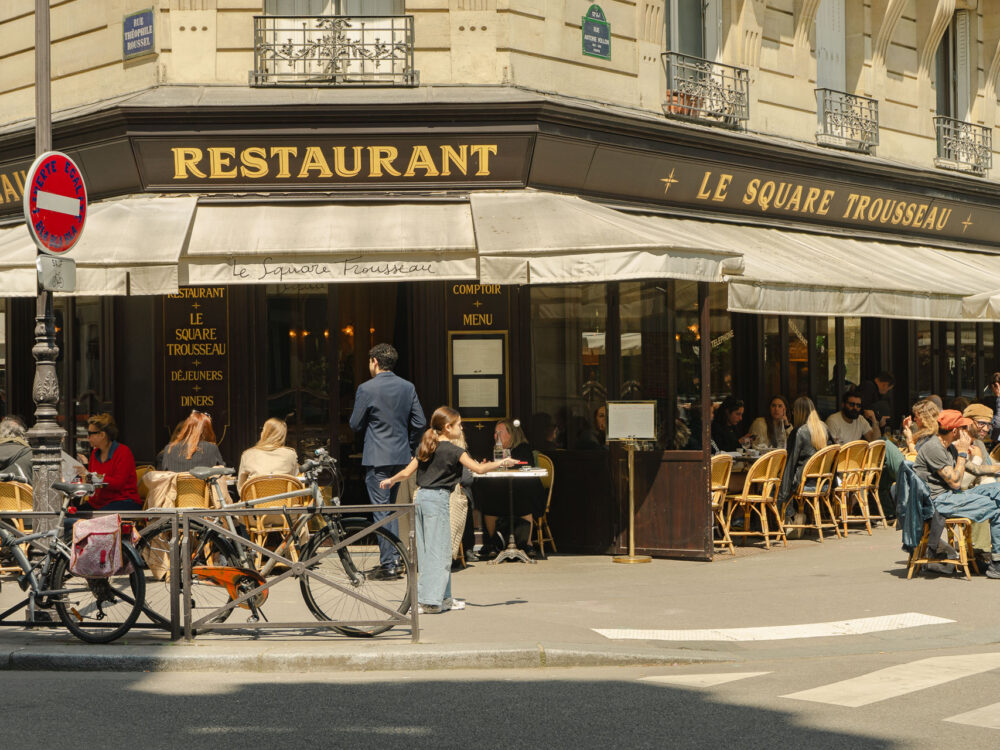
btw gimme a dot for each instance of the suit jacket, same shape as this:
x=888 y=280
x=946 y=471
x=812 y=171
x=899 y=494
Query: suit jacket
x=387 y=411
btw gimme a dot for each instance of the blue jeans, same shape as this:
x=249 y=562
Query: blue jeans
x=378 y=496
x=980 y=503
x=433 y=523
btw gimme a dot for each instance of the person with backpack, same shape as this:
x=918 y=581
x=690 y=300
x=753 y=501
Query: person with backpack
x=438 y=464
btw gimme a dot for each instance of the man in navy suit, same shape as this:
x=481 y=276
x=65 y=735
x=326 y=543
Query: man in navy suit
x=387 y=411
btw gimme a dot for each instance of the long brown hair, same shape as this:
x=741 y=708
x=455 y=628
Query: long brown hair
x=441 y=418
x=772 y=426
x=193 y=430
x=926 y=411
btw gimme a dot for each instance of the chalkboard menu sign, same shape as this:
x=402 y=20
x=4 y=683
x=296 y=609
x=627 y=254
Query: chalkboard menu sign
x=196 y=355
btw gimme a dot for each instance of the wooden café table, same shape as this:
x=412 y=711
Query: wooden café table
x=511 y=475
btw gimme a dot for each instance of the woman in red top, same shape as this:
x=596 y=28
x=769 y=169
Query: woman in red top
x=115 y=462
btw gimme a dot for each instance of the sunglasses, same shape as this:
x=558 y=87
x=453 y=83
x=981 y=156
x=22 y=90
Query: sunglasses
x=196 y=411
x=983 y=423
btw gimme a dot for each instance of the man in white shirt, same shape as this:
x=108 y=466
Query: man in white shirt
x=848 y=424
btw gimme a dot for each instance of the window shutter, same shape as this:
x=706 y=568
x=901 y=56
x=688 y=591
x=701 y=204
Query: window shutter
x=831 y=46
x=962 y=73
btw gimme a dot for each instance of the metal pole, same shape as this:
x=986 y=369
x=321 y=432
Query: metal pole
x=46 y=436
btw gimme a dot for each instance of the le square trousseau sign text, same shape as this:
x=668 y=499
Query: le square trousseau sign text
x=596 y=34
x=137 y=34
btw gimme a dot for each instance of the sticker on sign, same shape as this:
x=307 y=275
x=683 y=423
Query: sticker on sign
x=55 y=207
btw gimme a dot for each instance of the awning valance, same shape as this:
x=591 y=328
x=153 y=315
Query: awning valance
x=251 y=243
x=800 y=273
x=529 y=237
x=128 y=246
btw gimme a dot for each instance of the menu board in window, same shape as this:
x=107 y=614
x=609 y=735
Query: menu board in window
x=478 y=382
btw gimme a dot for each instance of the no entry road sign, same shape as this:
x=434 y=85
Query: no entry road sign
x=55 y=208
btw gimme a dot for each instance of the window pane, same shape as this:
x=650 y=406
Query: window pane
x=826 y=362
x=798 y=359
x=950 y=362
x=690 y=25
x=989 y=353
x=645 y=348
x=924 y=359
x=88 y=391
x=569 y=364
x=967 y=355
x=771 y=382
x=852 y=351
x=3 y=358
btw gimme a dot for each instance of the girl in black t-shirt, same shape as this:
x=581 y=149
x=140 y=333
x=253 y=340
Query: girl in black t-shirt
x=438 y=464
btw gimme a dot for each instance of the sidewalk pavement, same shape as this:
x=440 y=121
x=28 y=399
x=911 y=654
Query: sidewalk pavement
x=545 y=615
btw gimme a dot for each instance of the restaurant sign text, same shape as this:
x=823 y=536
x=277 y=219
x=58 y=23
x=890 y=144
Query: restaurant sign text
x=332 y=163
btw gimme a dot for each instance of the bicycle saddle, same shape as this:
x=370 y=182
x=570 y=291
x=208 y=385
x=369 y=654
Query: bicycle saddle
x=207 y=472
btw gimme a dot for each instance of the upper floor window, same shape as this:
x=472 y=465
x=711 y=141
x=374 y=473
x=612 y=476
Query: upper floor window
x=693 y=27
x=831 y=45
x=334 y=7
x=952 y=77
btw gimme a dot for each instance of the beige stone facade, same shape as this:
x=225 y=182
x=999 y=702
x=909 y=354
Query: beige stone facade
x=890 y=50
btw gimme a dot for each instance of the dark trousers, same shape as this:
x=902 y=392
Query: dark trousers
x=378 y=496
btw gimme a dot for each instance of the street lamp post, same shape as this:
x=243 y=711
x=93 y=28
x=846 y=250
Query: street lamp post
x=46 y=435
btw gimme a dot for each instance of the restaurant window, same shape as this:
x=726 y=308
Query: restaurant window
x=925 y=360
x=798 y=359
x=950 y=363
x=569 y=364
x=989 y=353
x=771 y=382
x=298 y=362
x=645 y=348
x=3 y=358
x=687 y=357
x=852 y=352
x=967 y=361
x=825 y=357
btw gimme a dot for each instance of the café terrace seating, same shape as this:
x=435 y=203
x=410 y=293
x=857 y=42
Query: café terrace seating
x=814 y=492
x=722 y=467
x=849 y=490
x=758 y=497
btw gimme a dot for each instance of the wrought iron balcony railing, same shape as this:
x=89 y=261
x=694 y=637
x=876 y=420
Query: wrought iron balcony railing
x=706 y=91
x=847 y=120
x=333 y=51
x=963 y=146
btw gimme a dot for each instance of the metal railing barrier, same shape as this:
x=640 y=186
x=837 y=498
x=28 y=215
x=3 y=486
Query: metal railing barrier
x=963 y=146
x=847 y=121
x=706 y=91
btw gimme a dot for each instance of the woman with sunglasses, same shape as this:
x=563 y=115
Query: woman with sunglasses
x=192 y=444
x=114 y=461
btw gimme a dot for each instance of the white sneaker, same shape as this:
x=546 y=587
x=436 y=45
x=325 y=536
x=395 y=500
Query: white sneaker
x=453 y=604
x=429 y=609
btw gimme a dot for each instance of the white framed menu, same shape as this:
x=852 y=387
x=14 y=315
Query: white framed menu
x=631 y=420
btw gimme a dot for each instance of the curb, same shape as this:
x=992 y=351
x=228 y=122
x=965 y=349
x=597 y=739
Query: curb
x=152 y=659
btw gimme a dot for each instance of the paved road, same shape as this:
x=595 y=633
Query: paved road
x=946 y=698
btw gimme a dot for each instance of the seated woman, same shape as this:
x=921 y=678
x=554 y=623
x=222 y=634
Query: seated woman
x=114 y=460
x=772 y=431
x=726 y=432
x=193 y=444
x=493 y=496
x=269 y=456
x=925 y=414
x=808 y=435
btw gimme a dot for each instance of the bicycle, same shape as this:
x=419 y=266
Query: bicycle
x=341 y=587
x=95 y=610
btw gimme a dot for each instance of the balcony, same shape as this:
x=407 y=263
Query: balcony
x=333 y=51
x=847 y=121
x=963 y=146
x=706 y=91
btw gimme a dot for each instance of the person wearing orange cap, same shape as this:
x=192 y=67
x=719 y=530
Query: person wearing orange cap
x=979 y=469
x=941 y=463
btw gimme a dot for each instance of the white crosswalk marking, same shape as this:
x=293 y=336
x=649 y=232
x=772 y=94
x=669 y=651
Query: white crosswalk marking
x=987 y=716
x=701 y=680
x=859 y=626
x=900 y=679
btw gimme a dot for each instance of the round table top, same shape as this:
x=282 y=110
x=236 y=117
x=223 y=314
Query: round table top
x=527 y=471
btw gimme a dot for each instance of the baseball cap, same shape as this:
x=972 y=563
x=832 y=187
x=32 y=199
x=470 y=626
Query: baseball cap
x=951 y=419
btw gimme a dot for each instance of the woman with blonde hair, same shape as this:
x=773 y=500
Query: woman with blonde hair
x=270 y=455
x=808 y=435
x=192 y=444
x=925 y=414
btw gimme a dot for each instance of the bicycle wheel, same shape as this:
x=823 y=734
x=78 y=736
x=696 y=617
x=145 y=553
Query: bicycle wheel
x=207 y=548
x=99 y=610
x=327 y=602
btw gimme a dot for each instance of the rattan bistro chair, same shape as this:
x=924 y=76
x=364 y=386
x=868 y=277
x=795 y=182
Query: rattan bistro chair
x=192 y=492
x=959 y=536
x=849 y=489
x=759 y=495
x=874 y=463
x=722 y=468
x=543 y=532
x=261 y=525
x=15 y=497
x=814 y=492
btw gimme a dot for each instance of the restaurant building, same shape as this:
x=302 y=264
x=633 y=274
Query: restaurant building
x=663 y=201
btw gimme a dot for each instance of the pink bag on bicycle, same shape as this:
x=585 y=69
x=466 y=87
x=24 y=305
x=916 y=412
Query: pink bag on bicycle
x=97 y=548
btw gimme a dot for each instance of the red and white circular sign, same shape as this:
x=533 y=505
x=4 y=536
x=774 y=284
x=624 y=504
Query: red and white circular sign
x=55 y=207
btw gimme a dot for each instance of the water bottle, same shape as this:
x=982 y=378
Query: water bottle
x=498 y=450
